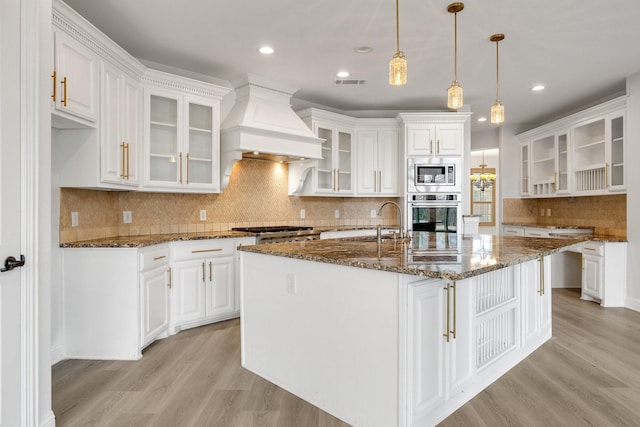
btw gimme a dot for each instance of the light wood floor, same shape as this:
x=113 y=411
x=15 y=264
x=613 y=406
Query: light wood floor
x=588 y=374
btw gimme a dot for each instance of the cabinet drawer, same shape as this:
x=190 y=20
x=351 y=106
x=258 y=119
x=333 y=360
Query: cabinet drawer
x=204 y=249
x=535 y=232
x=152 y=258
x=593 y=248
x=513 y=231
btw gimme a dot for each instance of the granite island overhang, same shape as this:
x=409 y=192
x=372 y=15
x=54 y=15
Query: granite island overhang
x=388 y=334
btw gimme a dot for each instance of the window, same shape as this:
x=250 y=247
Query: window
x=483 y=202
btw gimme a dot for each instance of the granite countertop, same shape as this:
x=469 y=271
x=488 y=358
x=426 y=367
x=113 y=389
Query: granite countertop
x=559 y=233
x=549 y=227
x=154 y=239
x=428 y=254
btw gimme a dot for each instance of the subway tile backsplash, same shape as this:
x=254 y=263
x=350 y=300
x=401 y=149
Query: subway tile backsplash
x=256 y=195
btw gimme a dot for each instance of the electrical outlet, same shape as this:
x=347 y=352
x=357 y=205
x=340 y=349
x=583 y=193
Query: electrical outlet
x=302 y=213
x=126 y=217
x=374 y=213
x=549 y=212
x=337 y=213
x=74 y=219
x=541 y=211
x=291 y=283
x=203 y=215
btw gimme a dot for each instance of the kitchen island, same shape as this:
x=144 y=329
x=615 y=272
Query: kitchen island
x=394 y=334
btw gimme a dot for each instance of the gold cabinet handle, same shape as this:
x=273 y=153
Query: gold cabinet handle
x=123 y=174
x=53 y=77
x=375 y=182
x=64 y=92
x=453 y=285
x=379 y=181
x=338 y=179
x=170 y=278
x=187 y=168
x=199 y=251
x=128 y=160
x=541 y=290
x=159 y=257
x=447 y=333
x=438 y=146
x=180 y=158
x=589 y=249
x=431 y=146
x=210 y=271
x=204 y=276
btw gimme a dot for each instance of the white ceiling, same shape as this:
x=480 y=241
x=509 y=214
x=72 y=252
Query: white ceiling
x=581 y=50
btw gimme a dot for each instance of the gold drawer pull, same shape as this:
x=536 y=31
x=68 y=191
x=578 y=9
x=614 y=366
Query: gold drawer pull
x=159 y=257
x=205 y=250
x=589 y=249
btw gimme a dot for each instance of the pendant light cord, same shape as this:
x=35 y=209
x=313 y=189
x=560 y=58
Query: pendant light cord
x=455 y=47
x=497 y=70
x=397 y=27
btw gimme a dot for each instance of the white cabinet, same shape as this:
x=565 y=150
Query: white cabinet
x=74 y=80
x=205 y=283
x=155 y=284
x=334 y=173
x=440 y=336
x=120 y=131
x=377 y=161
x=535 y=286
x=579 y=155
x=604 y=272
x=182 y=142
x=435 y=139
x=513 y=230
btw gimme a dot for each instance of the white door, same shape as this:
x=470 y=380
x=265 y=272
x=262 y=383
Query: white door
x=10 y=291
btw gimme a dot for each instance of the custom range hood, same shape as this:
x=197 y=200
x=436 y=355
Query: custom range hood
x=262 y=125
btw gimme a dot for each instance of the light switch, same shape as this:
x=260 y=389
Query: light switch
x=337 y=213
x=203 y=215
x=74 y=219
x=126 y=217
x=302 y=213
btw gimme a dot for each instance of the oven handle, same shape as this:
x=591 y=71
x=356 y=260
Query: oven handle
x=434 y=204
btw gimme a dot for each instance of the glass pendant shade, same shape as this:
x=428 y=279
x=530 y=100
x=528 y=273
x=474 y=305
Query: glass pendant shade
x=497 y=112
x=455 y=98
x=398 y=70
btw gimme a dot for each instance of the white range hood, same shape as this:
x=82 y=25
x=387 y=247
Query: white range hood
x=262 y=121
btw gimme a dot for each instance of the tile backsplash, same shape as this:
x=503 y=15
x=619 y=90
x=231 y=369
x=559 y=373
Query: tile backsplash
x=607 y=214
x=256 y=195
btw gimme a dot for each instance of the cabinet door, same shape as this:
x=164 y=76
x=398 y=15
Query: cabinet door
x=324 y=172
x=426 y=352
x=562 y=158
x=155 y=304
x=592 y=276
x=461 y=349
x=524 y=169
x=420 y=140
x=367 y=155
x=220 y=298
x=388 y=162
x=616 y=152
x=343 y=161
x=202 y=147
x=449 y=139
x=163 y=158
x=119 y=127
x=189 y=291
x=530 y=285
x=76 y=80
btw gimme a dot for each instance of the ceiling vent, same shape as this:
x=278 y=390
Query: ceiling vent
x=350 y=82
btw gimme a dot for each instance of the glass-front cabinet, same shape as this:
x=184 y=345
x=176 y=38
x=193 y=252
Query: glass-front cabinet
x=579 y=155
x=182 y=143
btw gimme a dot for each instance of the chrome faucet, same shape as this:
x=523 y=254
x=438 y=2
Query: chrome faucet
x=399 y=216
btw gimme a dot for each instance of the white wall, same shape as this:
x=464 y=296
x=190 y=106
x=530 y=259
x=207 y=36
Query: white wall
x=633 y=191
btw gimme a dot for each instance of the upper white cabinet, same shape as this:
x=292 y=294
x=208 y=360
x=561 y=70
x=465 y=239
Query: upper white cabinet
x=74 y=91
x=182 y=134
x=334 y=173
x=120 y=131
x=434 y=134
x=377 y=157
x=97 y=136
x=582 y=154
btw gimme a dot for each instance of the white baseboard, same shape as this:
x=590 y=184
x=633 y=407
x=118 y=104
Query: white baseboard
x=632 y=303
x=49 y=420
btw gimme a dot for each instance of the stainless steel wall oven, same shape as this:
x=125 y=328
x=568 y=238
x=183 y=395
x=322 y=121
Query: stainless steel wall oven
x=438 y=212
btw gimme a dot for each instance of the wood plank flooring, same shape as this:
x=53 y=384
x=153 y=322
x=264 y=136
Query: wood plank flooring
x=588 y=374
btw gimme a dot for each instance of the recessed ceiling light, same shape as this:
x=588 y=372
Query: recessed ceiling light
x=363 y=49
x=343 y=74
x=482 y=119
x=266 y=50
x=537 y=88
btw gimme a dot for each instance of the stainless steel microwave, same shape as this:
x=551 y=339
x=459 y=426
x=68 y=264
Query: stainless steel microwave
x=433 y=175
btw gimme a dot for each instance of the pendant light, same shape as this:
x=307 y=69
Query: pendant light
x=484 y=180
x=497 y=109
x=455 y=93
x=398 y=64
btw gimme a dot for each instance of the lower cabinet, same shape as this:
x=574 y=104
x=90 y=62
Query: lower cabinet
x=461 y=336
x=205 y=288
x=116 y=301
x=604 y=273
